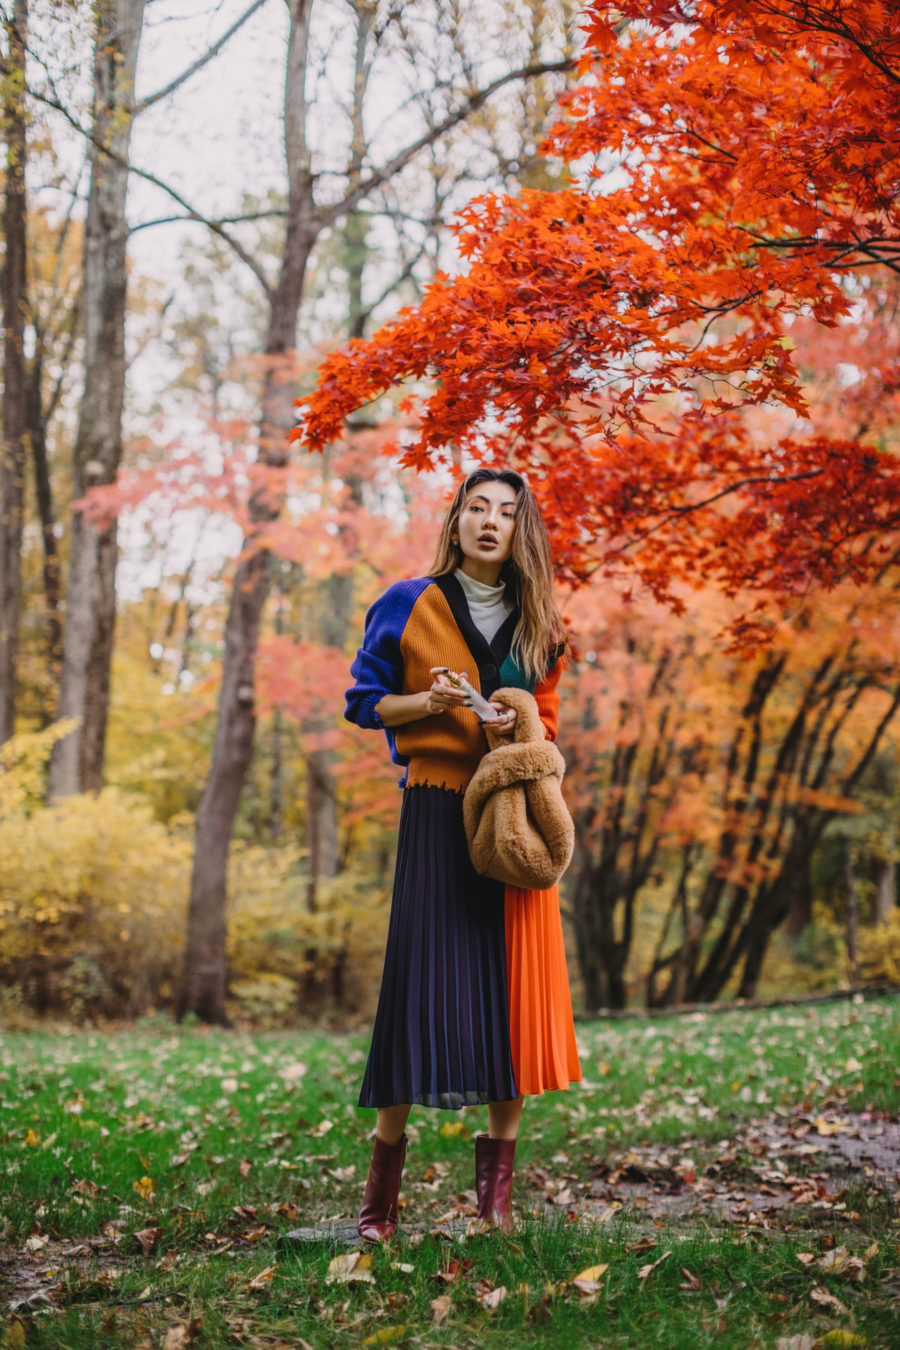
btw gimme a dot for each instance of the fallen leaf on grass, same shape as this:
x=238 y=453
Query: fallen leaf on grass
x=492 y=1298
x=148 y=1239
x=609 y=1213
x=440 y=1308
x=245 y=1167
x=386 y=1336
x=291 y=1072
x=144 y=1187
x=794 y=1343
x=350 y=1267
x=839 y=1337
x=263 y=1278
x=647 y=1270
x=15 y=1337
x=182 y=1334
x=826 y=1127
x=691 y=1281
x=35 y=1244
x=828 y=1300
x=88 y=1188
x=343 y=1173
x=452 y=1128
x=403 y=1266
x=588 y=1281
x=840 y=1262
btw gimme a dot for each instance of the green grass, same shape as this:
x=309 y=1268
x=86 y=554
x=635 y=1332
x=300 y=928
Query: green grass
x=214 y=1144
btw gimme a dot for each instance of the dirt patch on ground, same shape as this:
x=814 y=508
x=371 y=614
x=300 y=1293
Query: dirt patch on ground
x=791 y=1172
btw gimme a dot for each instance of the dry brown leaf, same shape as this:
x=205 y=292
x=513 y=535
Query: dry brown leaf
x=826 y=1299
x=89 y=1188
x=263 y=1278
x=182 y=1334
x=647 y=1270
x=795 y=1343
x=245 y=1167
x=839 y=1261
x=349 y=1268
x=148 y=1239
x=492 y=1298
x=440 y=1308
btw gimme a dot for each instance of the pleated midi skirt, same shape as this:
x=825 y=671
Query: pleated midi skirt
x=443 y=1034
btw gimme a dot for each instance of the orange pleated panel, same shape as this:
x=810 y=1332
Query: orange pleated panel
x=542 y=1033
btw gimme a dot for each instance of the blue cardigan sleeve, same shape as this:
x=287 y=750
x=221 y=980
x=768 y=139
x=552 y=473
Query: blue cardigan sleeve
x=378 y=667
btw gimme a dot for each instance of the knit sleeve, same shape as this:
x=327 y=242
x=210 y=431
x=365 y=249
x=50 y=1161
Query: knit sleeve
x=547 y=698
x=378 y=666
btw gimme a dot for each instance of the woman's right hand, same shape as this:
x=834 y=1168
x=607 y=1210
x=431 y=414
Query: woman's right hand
x=443 y=695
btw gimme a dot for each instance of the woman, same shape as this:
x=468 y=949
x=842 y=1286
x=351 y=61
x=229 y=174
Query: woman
x=474 y=1003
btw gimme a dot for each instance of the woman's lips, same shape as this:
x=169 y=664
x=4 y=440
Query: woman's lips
x=487 y=539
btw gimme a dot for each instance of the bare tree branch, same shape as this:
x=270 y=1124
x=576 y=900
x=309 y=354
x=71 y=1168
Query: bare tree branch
x=328 y=215
x=190 y=212
x=201 y=61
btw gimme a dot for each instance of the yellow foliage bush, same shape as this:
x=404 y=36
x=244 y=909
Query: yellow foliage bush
x=93 y=908
x=333 y=956
x=878 y=952
x=93 y=903
x=93 y=912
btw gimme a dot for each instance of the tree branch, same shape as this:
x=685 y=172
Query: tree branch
x=400 y=160
x=190 y=212
x=201 y=61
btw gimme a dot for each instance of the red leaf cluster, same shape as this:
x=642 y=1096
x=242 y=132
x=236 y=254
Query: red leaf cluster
x=733 y=163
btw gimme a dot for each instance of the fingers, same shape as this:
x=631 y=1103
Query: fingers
x=507 y=719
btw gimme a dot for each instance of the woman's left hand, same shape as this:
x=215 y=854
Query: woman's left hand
x=506 y=722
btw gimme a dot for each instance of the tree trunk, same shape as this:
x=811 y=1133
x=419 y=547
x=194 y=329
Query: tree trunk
x=12 y=474
x=204 y=976
x=799 y=888
x=852 y=910
x=77 y=761
x=37 y=429
x=886 y=884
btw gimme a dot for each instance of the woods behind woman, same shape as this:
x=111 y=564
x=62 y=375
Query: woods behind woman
x=475 y=1004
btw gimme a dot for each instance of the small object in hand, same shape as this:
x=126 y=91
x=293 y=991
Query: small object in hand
x=475 y=701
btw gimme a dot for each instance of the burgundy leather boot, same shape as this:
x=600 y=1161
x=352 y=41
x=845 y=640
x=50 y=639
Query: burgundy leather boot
x=378 y=1217
x=493 y=1179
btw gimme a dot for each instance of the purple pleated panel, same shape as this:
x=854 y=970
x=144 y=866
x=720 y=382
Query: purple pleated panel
x=441 y=1035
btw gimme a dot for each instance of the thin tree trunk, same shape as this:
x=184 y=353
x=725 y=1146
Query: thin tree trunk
x=204 y=976
x=852 y=911
x=77 y=761
x=37 y=428
x=12 y=474
x=886 y=885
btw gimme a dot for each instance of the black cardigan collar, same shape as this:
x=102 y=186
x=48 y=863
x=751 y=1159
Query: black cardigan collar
x=488 y=655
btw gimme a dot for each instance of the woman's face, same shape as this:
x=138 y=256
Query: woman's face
x=485 y=526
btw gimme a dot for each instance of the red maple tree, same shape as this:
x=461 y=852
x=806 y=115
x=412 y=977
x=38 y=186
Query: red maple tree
x=734 y=165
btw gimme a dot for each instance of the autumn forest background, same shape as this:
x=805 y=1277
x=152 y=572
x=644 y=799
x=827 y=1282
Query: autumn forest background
x=672 y=298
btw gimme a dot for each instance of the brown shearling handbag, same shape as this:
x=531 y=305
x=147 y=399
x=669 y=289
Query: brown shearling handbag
x=517 y=825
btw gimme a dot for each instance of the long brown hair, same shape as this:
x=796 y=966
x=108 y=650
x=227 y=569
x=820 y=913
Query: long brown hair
x=527 y=572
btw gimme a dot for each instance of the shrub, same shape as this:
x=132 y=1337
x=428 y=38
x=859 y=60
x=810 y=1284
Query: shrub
x=878 y=952
x=92 y=905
